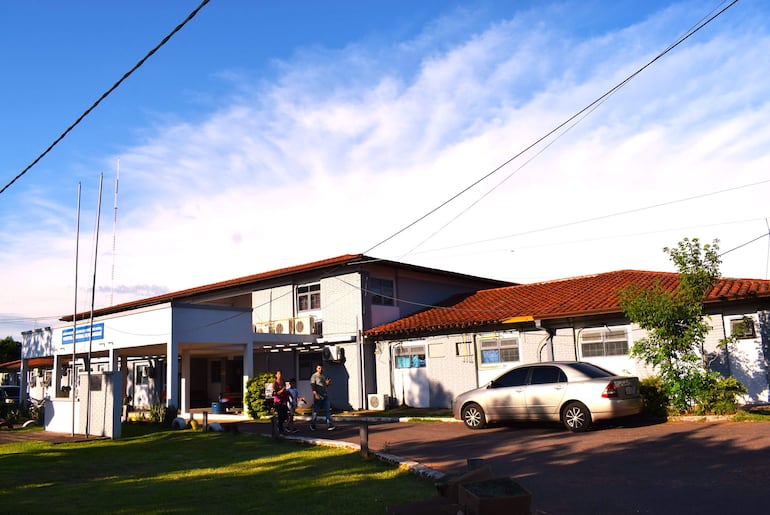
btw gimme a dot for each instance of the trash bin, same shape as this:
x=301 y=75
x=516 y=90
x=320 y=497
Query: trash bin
x=217 y=408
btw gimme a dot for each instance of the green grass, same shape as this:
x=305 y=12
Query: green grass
x=188 y=471
x=759 y=414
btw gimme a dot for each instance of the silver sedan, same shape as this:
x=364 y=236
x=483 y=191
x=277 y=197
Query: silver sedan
x=574 y=393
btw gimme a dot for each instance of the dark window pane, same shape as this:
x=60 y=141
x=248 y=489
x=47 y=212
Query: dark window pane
x=516 y=377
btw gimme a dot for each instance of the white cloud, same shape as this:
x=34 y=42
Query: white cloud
x=344 y=148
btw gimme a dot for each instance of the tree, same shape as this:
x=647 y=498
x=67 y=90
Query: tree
x=10 y=350
x=675 y=323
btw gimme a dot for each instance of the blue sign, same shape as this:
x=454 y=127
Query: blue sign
x=84 y=333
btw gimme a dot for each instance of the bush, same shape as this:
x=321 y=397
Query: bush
x=718 y=396
x=654 y=398
x=162 y=414
x=255 y=402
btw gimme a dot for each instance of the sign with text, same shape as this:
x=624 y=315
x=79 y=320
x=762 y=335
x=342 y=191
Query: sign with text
x=84 y=333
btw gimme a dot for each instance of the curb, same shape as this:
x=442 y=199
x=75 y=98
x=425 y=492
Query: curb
x=402 y=463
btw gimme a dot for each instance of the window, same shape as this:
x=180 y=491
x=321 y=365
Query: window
x=142 y=374
x=547 y=375
x=382 y=291
x=516 y=377
x=604 y=342
x=742 y=327
x=463 y=349
x=410 y=356
x=307 y=363
x=309 y=297
x=499 y=350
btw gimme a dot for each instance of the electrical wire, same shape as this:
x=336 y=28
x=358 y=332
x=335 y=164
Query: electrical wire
x=696 y=28
x=106 y=94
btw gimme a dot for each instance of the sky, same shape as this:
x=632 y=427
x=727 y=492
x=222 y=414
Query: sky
x=264 y=135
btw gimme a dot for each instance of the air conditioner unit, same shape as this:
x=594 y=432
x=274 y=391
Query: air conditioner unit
x=265 y=327
x=378 y=401
x=330 y=353
x=283 y=326
x=304 y=325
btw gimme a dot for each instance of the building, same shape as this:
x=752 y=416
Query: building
x=426 y=359
x=192 y=347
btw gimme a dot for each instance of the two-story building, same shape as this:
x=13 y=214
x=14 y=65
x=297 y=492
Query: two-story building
x=426 y=359
x=190 y=348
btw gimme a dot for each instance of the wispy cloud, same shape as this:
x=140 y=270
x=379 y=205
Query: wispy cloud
x=341 y=148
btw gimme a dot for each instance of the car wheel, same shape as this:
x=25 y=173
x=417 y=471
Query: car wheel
x=474 y=417
x=576 y=417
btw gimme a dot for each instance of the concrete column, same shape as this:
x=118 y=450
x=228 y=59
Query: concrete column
x=248 y=368
x=23 y=372
x=172 y=373
x=124 y=374
x=185 y=393
x=113 y=358
x=56 y=378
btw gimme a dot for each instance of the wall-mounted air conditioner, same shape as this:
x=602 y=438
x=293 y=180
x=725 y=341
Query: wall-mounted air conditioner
x=264 y=327
x=378 y=401
x=283 y=326
x=331 y=353
x=304 y=325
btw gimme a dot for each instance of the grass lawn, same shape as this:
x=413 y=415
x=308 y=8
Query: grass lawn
x=195 y=472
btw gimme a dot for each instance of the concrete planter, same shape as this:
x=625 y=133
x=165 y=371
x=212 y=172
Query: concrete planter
x=500 y=495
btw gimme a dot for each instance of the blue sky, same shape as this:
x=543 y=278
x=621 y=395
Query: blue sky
x=266 y=135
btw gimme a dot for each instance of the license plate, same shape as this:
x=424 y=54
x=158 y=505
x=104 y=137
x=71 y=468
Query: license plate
x=630 y=390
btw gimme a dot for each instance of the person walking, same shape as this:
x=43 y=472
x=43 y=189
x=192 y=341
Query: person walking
x=294 y=398
x=280 y=398
x=320 y=384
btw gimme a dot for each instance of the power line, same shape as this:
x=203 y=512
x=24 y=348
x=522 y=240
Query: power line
x=696 y=28
x=106 y=94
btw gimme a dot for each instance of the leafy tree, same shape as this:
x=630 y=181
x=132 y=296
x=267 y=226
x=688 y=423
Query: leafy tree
x=675 y=323
x=10 y=350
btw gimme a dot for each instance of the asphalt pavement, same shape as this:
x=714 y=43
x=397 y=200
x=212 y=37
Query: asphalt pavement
x=630 y=467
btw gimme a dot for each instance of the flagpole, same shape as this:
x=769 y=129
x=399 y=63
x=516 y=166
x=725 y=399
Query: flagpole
x=93 y=298
x=73 y=376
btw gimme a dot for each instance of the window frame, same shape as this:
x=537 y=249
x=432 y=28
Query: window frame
x=747 y=326
x=308 y=297
x=412 y=356
x=499 y=349
x=609 y=342
x=380 y=295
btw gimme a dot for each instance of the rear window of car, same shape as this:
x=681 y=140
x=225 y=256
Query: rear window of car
x=590 y=370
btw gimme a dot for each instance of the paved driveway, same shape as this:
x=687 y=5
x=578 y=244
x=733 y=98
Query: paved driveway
x=677 y=467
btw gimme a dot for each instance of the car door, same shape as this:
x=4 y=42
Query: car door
x=506 y=395
x=545 y=391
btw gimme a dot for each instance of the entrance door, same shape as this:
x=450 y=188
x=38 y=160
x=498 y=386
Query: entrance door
x=410 y=376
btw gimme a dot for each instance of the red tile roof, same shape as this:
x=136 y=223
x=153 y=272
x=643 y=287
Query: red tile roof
x=330 y=263
x=13 y=366
x=223 y=285
x=572 y=297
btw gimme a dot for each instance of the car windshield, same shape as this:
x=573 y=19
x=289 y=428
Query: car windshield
x=591 y=370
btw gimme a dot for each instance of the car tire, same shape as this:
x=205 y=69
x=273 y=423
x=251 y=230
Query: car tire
x=473 y=416
x=576 y=417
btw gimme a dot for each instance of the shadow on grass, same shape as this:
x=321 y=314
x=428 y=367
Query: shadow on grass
x=185 y=471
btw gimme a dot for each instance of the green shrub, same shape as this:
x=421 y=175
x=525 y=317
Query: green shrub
x=162 y=414
x=718 y=396
x=654 y=398
x=255 y=402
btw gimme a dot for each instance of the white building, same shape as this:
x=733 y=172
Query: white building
x=189 y=348
x=426 y=359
